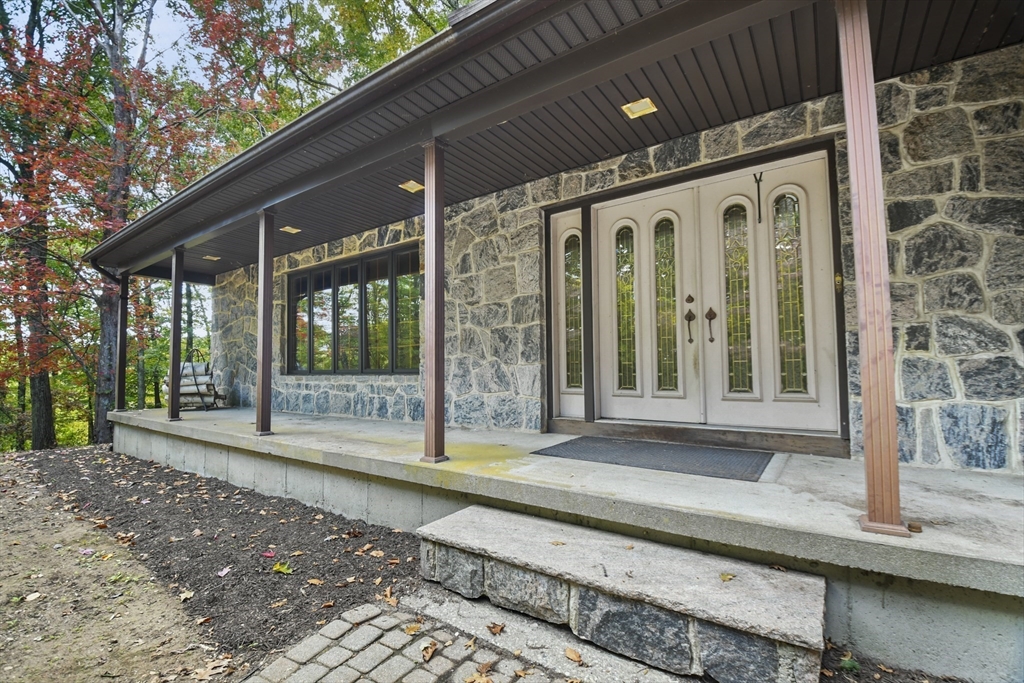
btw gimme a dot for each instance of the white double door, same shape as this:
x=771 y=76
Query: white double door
x=714 y=305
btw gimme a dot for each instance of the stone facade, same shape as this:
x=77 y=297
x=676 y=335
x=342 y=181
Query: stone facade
x=952 y=145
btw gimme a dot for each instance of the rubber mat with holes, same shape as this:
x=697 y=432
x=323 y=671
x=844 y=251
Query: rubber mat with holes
x=705 y=461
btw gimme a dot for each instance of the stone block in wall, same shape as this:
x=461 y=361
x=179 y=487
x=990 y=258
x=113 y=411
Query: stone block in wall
x=504 y=411
x=731 y=656
x=903 y=296
x=596 y=181
x=970 y=174
x=906 y=433
x=943 y=73
x=482 y=221
x=991 y=214
x=505 y=344
x=1003 y=166
x=459 y=571
x=941 y=247
x=938 y=135
x=992 y=379
x=720 y=142
x=776 y=127
x=957 y=335
x=531 y=344
x=1006 y=265
x=469 y=411
x=954 y=292
x=926 y=180
x=975 y=435
x=929 y=437
x=546 y=190
x=526 y=309
x=635 y=165
x=516 y=588
x=925 y=379
x=999 y=119
x=512 y=199
x=678 y=153
x=906 y=213
x=1008 y=307
x=634 y=629
x=992 y=76
x=492 y=378
x=428 y=560
x=931 y=97
x=917 y=337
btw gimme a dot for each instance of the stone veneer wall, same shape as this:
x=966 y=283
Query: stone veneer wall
x=952 y=142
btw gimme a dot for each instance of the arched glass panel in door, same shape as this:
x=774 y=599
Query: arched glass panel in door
x=665 y=303
x=573 y=313
x=789 y=281
x=737 y=299
x=625 y=307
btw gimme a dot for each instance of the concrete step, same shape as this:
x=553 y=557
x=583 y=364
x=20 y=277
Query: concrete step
x=680 y=610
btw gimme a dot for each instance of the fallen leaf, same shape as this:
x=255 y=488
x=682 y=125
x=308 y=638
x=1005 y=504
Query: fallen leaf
x=574 y=655
x=282 y=568
x=517 y=652
x=629 y=547
x=726 y=576
x=279 y=603
x=377 y=553
x=523 y=674
x=268 y=553
x=33 y=596
x=197 y=533
x=203 y=620
x=296 y=553
x=315 y=582
x=376 y=582
x=186 y=595
x=412 y=629
x=175 y=539
x=478 y=677
x=495 y=628
x=470 y=644
x=428 y=649
x=777 y=567
x=828 y=673
x=485 y=667
x=327 y=605
x=557 y=542
x=886 y=669
x=224 y=572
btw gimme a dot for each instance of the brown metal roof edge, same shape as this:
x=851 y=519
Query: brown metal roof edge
x=484 y=22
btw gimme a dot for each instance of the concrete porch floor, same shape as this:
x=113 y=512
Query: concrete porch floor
x=804 y=507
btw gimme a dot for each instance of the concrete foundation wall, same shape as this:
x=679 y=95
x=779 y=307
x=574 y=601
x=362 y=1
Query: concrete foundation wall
x=922 y=625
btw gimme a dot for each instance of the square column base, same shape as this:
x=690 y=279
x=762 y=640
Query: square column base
x=434 y=460
x=174 y=419
x=264 y=433
x=882 y=528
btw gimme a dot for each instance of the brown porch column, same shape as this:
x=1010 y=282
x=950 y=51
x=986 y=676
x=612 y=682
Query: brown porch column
x=264 y=323
x=174 y=372
x=874 y=312
x=122 y=345
x=433 y=307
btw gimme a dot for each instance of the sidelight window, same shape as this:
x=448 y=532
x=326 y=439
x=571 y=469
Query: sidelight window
x=737 y=299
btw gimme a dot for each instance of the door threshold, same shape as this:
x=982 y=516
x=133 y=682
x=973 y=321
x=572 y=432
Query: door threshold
x=828 y=445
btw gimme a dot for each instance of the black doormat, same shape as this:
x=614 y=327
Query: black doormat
x=706 y=461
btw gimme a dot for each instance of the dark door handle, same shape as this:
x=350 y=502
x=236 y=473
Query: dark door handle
x=689 y=318
x=710 y=315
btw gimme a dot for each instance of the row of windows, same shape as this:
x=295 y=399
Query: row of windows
x=357 y=317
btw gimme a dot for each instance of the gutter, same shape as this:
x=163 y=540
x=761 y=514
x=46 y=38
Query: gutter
x=419 y=62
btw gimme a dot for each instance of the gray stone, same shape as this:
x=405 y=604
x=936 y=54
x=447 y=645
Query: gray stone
x=925 y=379
x=732 y=656
x=999 y=119
x=907 y=213
x=929 y=437
x=954 y=292
x=677 y=153
x=420 y=676
x=386 y=621
x=485 y=255
x=527 y=591
x=832 y=113
x=341 y=675
x=512 y=199
x=892 y=102
x=903 y=296
x=720 y=142
x=927 y=180
x=529 y=379
x=531 y=345
x=489 y=315
x=938 y=135
x=992 y=214
x=993 y=76
x=957 y=336
x=635 y=165
x=992 y=379
x=572 y=185
x=281 y=669
x=310 y=673
x=309 y=648
x=599 y=180
x=392 y=670
x=645 y=632
x=459 y=571
x=461 y=381
x=369 y=658
x=505 y=412
x=334 y=657
x=396 y=639
x=467 y=289
x=1003 y=166
x=491 y=378
x=936 y=74
x=499 y=284
x=906 y=434
x=336 y=629
x=471 y=344
x=917 y=337
x=931 y=97
x=975 y=435
x=889 y=146
x=970 y=174
x=777 y=126
x=1008 y=307
x=546 y=190
x=469 y=411
x=526 y=237
x=483 y=221
x=941 y=247
x=1006 y=264
x=528 y=269
x=526 y=309
x=359 y=638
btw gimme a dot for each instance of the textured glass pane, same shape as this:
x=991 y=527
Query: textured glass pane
x=790 y=288
x=378 y=319
x=737 y=300
x=407 y=310
x=348 y=319
x=625 y=307
x=322 y=314
x=300 y=323
x=665 y=295
x=573 y=313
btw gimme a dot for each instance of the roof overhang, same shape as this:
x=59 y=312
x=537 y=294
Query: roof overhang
x=523 y=89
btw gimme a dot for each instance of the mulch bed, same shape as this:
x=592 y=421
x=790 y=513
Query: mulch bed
x=189 y=529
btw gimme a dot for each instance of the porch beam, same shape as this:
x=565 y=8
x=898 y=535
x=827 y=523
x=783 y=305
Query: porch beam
x=174 y=371
x=122 y=344
x=433 y=305
x=871 y=260
x=264 y=323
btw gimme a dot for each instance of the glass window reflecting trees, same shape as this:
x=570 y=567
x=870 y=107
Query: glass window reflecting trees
x=737 y=299
x=573 y=313
x=789 y=282
x=357 y=317
x=625 y=307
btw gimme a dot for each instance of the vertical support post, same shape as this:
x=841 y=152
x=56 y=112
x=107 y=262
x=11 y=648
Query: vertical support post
x=174 y=372
x=433 y=390
x=122 y=346
x=264 y=323
x=874 y=308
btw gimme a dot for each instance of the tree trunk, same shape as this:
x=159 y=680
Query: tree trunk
x=156 y=390
x=21 y=419
x=43 y=433
x=189 y=332
x=140 y=379
x=106 y=366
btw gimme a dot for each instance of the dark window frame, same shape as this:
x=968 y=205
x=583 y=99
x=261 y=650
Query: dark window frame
x=392 y=255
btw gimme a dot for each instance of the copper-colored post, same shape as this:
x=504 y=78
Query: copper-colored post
x=874 y=311
x=122 y=345
x=264 y=322
x=174 y=372
x=433 y=305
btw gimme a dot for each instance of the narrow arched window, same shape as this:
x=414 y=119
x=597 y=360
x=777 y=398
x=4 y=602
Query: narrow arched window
x=665 y=303
x=573 y=313
x=789 y=284
x=737 y=299
x=625 y=307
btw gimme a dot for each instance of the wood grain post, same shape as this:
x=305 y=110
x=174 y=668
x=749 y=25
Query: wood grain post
x=874 y=309
x=433 y=305
x=174 y=371
x=122 y=346
x=265 y=323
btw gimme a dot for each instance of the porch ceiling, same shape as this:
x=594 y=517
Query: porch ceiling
x=523 y=90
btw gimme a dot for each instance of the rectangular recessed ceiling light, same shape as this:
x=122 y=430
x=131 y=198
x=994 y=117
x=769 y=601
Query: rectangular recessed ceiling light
x=639 y=108
x=290 y=230
x=208 y=257
x=411 y=186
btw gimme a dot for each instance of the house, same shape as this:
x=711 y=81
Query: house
x=789 y=225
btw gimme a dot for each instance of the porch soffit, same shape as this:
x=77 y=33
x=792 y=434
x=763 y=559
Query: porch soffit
x=543 y=98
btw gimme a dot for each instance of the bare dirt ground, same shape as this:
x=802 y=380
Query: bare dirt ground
x=116 y=569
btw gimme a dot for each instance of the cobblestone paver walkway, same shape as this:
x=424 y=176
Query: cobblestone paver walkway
x=370 y=645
